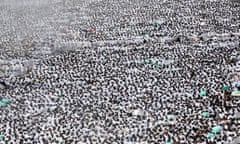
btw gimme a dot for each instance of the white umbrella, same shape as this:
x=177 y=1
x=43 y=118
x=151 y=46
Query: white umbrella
x=236 y=141
x=237 y=115
x=138 y=112
x=235 y=93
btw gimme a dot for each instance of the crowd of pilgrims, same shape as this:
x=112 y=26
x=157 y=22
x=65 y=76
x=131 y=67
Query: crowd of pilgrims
x=139 y=81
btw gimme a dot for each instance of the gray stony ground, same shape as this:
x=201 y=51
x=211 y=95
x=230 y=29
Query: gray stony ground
x=126 y=71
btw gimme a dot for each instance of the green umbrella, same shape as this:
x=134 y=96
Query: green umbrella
x=216 y=129
x=174 y=70
x=144 y=62
x=2 y=104
x=226 y=88
x=6 y=101
x=203 y=93
x=205 y=114
x=160 y=65
x=60 y=141
x=166 y=65
x=155 y=24
x=62 y=95
x=155 y=64
x=1 y=137
x=151 y=62
x=211 y=135
x=233 y=57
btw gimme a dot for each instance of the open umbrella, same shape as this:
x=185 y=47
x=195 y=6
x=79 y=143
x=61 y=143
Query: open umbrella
x=217 y=129
x=155 y=24
x=62 y=95
x=60 y=140
x=233 y=57
x=5 y=101
x=238 y=85
x=226 y=88
x=203 y=93
x=236 y=141
x=236 y=93
x=172 y=119
x=2 y=104
x=205 y=114
x=237 y=115
x=211 y=135
x=4 y=85
x=138 y=112
x=144 y=62
x=1 y=137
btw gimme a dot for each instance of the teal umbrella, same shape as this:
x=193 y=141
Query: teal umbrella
x=233 y=57
x=211 y=135
x=155 y=64
x=62 y=95
x=144 y=62
x=174 y=70
x=155 y=24
x=151 y=62
x=160 y=65
x=1 y=137
x=203 y=93
x=217 y=129
x=168 y=143
x=238 y=85
x=2 y=104
x=6 y=101
x=226 y=88
x=205 y=114
x=165 y=64
x=60 y=141
x=165 y=120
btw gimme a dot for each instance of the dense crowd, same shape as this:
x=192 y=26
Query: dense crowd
x=127 y=71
